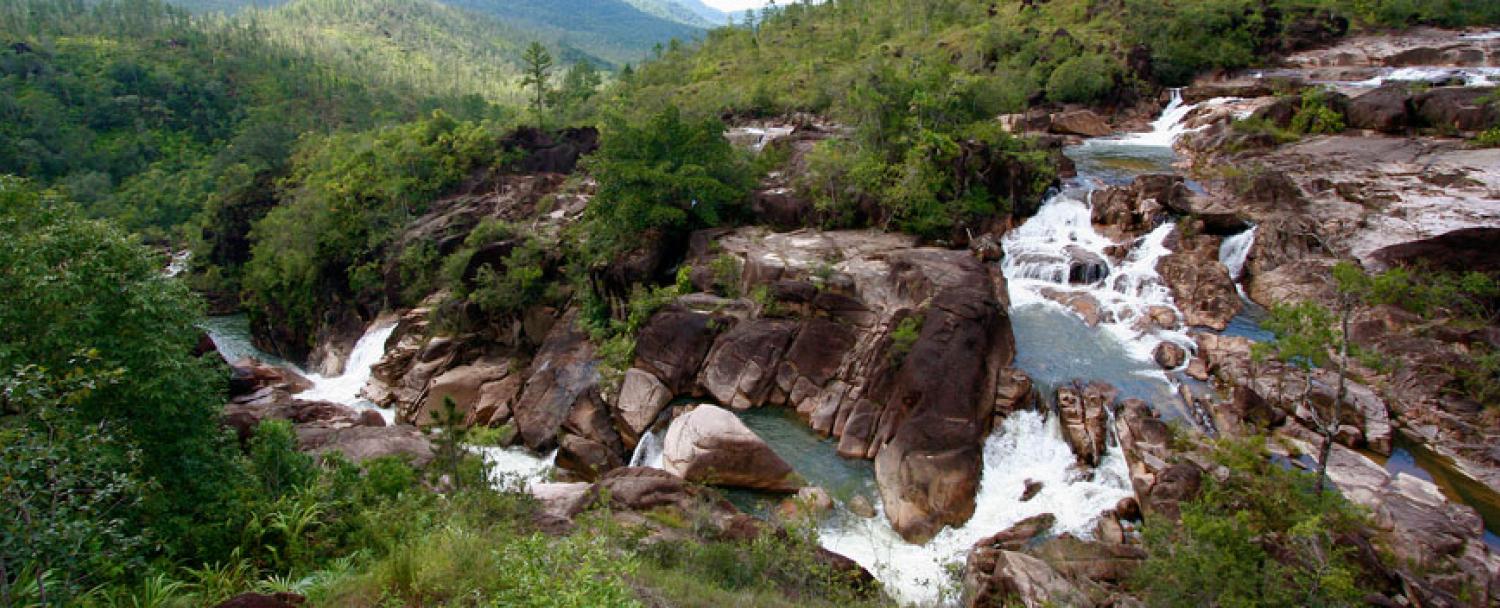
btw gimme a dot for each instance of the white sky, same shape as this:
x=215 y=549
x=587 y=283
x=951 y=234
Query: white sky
x=735 y=5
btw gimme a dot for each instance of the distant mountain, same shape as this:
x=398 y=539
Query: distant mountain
x=688 y=12
x=616 y=31
x=419 y=44
x=612 y=29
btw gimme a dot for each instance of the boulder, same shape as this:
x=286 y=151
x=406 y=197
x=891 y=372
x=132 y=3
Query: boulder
x=741 y=368
x=711 y=445
x=1085 y=419
x=672 y=346
x=1094 y=561
x=980 y=586
x=466 y=384
x=642 y=398
x=362 y=443
x=1464 y=109
x=1174 y=485
x=1201 y=285
x=562 y=375
x=1386 y=109
x=1469 y=249
x=1169 y=355
x=940 y=408
x=1034 y=583
x=251 y=375
x=1084 y=123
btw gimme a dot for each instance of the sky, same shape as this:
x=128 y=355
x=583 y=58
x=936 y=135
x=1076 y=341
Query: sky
x=734 y=5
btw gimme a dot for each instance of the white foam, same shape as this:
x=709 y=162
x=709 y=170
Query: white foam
x=1495 y=35
x=345 y=387
x=648 y=451
x=179 y=262
x=1235 y=250
x=1026 y=447
x=1037 y=258
x=1472 y=76
x=515 y=468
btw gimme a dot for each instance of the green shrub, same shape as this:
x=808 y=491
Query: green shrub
x=275 y=461
x=1317 y=116
x=1082 y=79
x=1263 y=537
x=903 y=338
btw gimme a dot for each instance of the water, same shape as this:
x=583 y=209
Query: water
x=231 y=335
x=515 y=469
x=1412 y=459
x=1235 y=251
x=1053 y=348
x=345 y=388
x=1471 y=76
x=814 y=457
x=647 y=451
x=1026 y=447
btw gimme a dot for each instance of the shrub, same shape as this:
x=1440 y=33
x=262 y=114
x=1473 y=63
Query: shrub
x=1082 y=79
x=1317 y=116
x=275 y=461
x=903 y=338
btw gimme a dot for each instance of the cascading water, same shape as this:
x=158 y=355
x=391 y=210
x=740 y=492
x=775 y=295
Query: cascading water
x=1027 y=447
x=1471 y=76
x=345 y=388
x=647 y=451
x=1235 y=250
x=515 y=468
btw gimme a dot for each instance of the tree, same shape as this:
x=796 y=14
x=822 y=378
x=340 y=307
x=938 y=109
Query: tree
x=579 y=85
x=536 y=67
x=448 y=425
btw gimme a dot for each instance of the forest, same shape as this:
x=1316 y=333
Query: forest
x=291 y=147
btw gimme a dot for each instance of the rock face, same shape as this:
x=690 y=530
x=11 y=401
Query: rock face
x=828 y=353
x=1386 y=109
x=1201 y=285
x=711 y=445
x=362 y=443
x=1080 y=122
x=1465 y=109
x=562 y=376
x=1085 y=419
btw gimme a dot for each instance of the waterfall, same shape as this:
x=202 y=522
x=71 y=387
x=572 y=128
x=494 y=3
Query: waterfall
x=179 y=262
x=1040 y=256
x=1479 y=76
x=1026 y=447
x=647 y=451
x=1235 y=251
x=515 y=468
x=345 y=388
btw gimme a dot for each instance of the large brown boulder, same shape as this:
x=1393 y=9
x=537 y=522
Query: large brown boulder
x=251 y=375
x=1096 y=561
x=1386 y=109
x=980 y=587
x=642 y=398
x=476 y=386
x=1465 y=109
x=362 y=443
x=1080 y=122
x=672 y=346
x=1174 y=485
x=1034 y=583
x=711 y=445
x=741 y=369
x=562 y=375
x=1201 y=285
x=1085 y=419
x=943 y=396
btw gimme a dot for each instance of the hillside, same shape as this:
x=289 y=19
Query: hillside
x=688 y=12
x=616 y=31
x=415 y=44
x=612 y=29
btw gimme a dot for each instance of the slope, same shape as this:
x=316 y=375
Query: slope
x=611 y=29
x=687 y=12
x=417 y=44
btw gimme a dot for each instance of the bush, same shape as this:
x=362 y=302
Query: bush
x=1317 y=116
x=1082 y=79
x=903 y=338
x=1263 y=537
x=275 y=461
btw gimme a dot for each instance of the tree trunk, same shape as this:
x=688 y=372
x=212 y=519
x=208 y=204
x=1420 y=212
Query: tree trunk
x=1332 y=427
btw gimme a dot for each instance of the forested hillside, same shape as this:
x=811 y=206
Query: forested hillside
x=142 y=113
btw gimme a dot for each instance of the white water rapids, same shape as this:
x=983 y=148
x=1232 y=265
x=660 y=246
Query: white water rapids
x=345 y=388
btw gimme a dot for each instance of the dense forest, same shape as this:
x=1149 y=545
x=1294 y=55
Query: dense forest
x=292 y=146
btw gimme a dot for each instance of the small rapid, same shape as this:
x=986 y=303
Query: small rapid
x=1027 y=447
x=345 y=388
x=647 y=451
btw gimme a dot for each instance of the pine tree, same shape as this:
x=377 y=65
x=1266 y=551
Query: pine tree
x=537 y=67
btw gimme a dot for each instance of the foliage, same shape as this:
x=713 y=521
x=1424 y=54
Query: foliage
x=451 y=433
x=275 y=461
x=96 y=337
x=1489 y=138
x=1263 y=537
x=537 y=66
x=346 y=196
x=903 y=338
x=1317 y=116
x=665 y=176
x=1082 y=79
